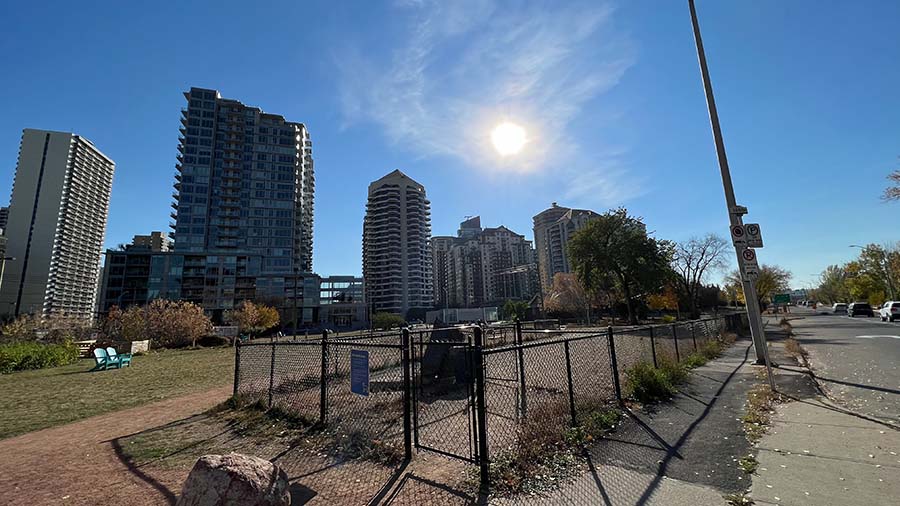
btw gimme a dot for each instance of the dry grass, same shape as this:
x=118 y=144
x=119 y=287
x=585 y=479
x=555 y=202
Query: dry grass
x=44 y=398
x=760 y=401
x=793 y=347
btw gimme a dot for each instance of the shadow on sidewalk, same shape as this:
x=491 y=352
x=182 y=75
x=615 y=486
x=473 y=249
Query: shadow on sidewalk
x=695 y=438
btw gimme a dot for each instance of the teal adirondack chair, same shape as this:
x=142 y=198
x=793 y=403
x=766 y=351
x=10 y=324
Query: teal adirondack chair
x=124 y=358
x=104 y=361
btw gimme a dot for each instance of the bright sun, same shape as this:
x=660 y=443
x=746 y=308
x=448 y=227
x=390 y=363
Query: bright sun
x=508 y=138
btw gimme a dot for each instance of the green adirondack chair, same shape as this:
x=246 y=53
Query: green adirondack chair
x=124 y=358
x=103 y=360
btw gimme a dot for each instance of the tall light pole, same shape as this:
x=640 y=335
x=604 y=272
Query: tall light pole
x=735 y=212
x=885 y=265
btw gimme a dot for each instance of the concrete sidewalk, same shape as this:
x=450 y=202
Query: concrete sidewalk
x=819 y=453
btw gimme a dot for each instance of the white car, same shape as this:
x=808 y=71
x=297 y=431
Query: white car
x=890 y=311
x=839 y=308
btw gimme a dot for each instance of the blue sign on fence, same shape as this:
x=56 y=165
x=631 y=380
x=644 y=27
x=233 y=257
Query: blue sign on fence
x=359 y=372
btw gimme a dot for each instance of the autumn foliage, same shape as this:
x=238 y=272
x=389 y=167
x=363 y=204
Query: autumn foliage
x=166 y=323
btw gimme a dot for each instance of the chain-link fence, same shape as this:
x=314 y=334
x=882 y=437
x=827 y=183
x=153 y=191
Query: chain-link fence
x=468 y=392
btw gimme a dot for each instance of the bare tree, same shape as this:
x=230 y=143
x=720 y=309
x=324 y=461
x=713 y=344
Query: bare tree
x=693 y=260
x=892 y=192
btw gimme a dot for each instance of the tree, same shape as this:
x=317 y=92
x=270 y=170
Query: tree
x=833 y=285
x=387 y=321
x=667 y=299
x=772 y=279
x=614 y=254
x=566 y=295
x=515 y=309
x=692 y=261
x=166 y=323
x=892 y=192
x=253 y=318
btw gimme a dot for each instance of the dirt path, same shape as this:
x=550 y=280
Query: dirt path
x=78 y=464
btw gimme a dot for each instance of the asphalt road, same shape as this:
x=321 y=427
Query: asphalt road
x=856 y=360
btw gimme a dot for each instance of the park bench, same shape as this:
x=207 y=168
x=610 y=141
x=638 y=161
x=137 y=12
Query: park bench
x=124 y=358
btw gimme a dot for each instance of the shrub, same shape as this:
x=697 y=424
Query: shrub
x=387 y=321
x=667 y=318
x=648 y=384
x=25 y=356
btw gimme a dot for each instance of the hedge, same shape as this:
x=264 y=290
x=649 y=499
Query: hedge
x=29 y=355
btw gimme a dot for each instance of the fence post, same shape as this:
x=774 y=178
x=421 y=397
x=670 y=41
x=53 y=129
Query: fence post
x=694 y=334
x=615 y=364
x=675 y=338
x=571 y=389
x=237 y=367
x=523 y=395
x=272 y=375
x=653 y=347
x=481 y=411
x=323 y=380
x=407 y=394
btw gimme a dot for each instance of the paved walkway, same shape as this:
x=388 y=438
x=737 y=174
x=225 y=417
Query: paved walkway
x=78 y=463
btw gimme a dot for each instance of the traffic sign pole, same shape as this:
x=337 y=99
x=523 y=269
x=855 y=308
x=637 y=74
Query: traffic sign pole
x=734 y=211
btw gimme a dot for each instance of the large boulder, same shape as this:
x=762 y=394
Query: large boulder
x=235 y=479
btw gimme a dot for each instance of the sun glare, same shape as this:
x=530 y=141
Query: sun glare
x=508 y=138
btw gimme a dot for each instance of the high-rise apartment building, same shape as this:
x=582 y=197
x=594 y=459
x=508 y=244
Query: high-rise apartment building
x=57 y=224
x=156 y=242
x=469 y=268
x=396 y=246
x=245 y=184
x=552 y=229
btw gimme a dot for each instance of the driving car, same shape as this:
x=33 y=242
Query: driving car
x=860 y=308
x=889 y=311
x=839 y=308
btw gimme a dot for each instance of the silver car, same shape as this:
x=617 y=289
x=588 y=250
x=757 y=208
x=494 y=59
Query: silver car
x=839 y=308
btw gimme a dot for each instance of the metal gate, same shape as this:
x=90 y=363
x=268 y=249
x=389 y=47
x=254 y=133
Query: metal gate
x=444 y=417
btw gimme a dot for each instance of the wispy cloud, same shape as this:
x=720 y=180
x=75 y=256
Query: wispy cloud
x=464 y=66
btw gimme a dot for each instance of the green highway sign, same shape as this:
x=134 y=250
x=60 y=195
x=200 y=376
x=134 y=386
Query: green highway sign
x=781 y=298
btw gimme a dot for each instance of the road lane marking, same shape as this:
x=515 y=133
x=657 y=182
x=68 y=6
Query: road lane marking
x=873 y=337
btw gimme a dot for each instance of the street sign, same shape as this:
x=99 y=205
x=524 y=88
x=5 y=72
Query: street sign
x=359 y=372
x=748 y=260
x=754 y=235
x=750 y=275
x=781 y=298
x=738 y=235
x=738 y=210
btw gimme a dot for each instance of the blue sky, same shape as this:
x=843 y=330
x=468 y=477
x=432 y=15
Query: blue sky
x=609 y=94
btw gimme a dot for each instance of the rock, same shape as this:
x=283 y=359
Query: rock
x=235 y=479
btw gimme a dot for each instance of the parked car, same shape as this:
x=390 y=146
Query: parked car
x=839 y=308
x=890 y=311
x=860 y=308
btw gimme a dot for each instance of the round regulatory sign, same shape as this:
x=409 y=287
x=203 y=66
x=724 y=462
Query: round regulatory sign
x=749 y=255
x=752 y=230
x=737 y=231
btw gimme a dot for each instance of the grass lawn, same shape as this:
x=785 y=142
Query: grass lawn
x=44 y=398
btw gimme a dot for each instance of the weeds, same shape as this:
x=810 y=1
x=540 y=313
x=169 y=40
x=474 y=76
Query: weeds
x=738 y=500
x=548 y=449
x=794 y=349
x=648 y=384
x=748 y=464
x=760 y=400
